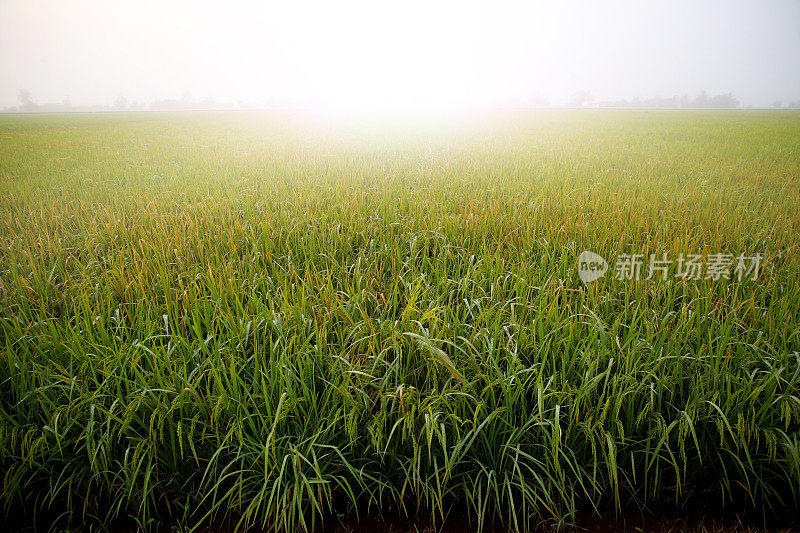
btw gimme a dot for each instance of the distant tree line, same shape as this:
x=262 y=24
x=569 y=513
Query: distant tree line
x=789 y=105
x=702 y=101
x=28 y=105
x=581 y=99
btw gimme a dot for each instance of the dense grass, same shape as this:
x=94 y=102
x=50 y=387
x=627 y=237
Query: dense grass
x=270 y=318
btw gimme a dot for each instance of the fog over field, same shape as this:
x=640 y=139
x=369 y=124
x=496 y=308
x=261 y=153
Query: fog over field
x=360 y=54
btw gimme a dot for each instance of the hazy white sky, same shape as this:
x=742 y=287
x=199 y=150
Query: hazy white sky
x=429 y=52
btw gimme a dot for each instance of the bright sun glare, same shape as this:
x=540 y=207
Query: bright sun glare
x=354 y=53
x=375 y=54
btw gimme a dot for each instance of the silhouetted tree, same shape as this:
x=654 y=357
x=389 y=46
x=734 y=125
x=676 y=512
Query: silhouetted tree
x=26 y=100
x=724 y=101
x=581 y=99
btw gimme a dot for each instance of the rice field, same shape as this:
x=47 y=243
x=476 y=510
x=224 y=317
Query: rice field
x=277 y=318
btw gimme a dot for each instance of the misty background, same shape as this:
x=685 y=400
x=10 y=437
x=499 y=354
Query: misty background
x=89 y=54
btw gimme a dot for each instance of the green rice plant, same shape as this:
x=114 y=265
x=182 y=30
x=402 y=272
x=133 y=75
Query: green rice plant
x=272 y=318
